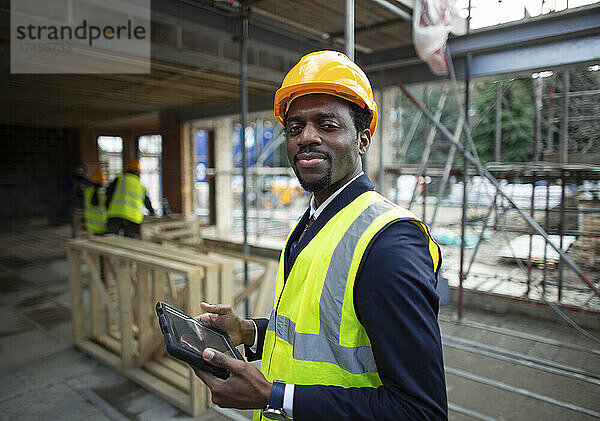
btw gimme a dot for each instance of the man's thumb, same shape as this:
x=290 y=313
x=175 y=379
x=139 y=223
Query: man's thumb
x=214 y=358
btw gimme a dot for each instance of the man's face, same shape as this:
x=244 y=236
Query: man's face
x=322 y=144
x=80 y=170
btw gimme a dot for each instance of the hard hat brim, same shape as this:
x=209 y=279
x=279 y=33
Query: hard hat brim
x=285 y=95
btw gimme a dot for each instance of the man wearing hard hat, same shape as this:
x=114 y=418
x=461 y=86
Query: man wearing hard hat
x=125 y=196
x=94 y=201
x=353 y=333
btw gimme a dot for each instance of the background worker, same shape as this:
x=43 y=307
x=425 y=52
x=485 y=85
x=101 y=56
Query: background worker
x=94 y=200
x=74 y=187
x=353 y=334
x=125 y=197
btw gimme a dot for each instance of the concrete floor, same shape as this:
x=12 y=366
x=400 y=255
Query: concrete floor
x=512 y=367
x=499 y=365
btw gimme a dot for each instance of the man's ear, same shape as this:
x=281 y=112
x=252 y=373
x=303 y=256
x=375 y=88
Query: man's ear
x=364 y=141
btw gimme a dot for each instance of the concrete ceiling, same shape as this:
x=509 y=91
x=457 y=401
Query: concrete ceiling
x=195 y=57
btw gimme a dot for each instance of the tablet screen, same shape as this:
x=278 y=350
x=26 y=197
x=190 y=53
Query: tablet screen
x=193 y=335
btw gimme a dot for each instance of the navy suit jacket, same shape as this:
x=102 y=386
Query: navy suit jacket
x=396 y=301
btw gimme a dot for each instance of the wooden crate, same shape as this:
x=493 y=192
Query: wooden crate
x=113 y=312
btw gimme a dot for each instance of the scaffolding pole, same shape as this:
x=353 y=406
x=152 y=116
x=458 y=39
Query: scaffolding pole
x=550 y=134
x=537 y=139
x=244 y=115
x=465 y=182
x=498 y=146
x=349 y=29
x=561 y=228
x=564 y=138
x=547 y=227
x=532 y=213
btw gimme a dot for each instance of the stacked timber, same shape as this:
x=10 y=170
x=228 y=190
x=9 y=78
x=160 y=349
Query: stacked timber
x=113 y=308
x=171 y=228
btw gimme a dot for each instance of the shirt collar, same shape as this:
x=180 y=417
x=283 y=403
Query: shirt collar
x=315 y=212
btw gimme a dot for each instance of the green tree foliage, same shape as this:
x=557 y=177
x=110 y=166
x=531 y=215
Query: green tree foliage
x=517 y=119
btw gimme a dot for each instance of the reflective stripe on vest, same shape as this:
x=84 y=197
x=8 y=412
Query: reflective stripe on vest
x=127 y=199
x=313 y=335
x=95 y=216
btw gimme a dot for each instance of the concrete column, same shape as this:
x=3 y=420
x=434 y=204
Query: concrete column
x=187 y=165
x=174 y=188
x=223 y=168
x=88 y=150
x=129 y=147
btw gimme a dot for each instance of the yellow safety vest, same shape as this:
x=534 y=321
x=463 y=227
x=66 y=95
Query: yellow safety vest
x=127 y=199
x=95 y=216
x=313 y=335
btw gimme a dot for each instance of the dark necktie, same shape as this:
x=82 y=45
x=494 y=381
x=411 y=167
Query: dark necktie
x=308 y=224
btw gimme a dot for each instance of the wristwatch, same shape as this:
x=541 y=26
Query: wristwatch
x=274 y=409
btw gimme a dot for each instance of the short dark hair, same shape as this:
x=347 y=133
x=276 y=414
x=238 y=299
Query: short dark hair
x=360 y=116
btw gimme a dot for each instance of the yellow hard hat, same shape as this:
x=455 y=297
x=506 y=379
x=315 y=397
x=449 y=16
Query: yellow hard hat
x=99 y=177
x=133 y=166
x=326 y=72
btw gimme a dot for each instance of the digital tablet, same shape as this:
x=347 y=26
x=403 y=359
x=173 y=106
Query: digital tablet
x=186 y=338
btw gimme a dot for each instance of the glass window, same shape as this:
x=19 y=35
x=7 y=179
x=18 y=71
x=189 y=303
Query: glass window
x=151 y=145
x=110 y=155
x=150 y=148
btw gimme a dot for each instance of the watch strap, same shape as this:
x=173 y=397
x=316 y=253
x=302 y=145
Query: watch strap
x=277 y=392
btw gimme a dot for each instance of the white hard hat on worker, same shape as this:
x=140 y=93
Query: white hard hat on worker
x=326 y=72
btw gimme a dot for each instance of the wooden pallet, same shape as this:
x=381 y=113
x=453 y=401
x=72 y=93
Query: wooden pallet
x=113 y=311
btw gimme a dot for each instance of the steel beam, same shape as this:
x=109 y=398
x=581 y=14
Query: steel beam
x=548 y=41
x=217 y=64
x=579 y=23
x=565 y=25
x=394 y=9
x=549 y=53
x=255 y=104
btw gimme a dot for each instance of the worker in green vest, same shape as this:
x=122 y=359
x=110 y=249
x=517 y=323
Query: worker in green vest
x=126 y=196
x=353 y=332
x=94 y=200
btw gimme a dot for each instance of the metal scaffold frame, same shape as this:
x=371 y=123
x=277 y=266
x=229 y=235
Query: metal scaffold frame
x=534 y=172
